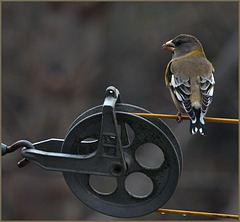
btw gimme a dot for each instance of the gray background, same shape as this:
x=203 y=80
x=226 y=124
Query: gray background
x=58 y=59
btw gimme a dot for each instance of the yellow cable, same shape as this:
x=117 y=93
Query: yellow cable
x=207 y=119
x=193 y=213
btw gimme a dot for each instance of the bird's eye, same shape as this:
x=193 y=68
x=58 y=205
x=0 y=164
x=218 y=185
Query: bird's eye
x=178 y=42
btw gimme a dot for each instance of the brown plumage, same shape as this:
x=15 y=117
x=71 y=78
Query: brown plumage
x=189 y=77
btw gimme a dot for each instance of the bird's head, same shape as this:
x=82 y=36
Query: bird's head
x=182 y=45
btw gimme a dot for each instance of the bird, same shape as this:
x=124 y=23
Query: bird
x=190 y=78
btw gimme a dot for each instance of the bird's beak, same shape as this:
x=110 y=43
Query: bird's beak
x=169 y=46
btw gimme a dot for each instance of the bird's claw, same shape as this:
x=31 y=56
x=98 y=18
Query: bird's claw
x=179 y=117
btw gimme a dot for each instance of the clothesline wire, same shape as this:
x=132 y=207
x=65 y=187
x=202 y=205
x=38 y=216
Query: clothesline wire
x=195 y=213
x=207 y=119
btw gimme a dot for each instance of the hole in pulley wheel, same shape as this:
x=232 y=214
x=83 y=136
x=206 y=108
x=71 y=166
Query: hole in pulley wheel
x=149 y=156
x=103 y=184
x=138 y=185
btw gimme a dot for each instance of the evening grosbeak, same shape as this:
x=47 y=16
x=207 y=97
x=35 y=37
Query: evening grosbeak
x=189 y=77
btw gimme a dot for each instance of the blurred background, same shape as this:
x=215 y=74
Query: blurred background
x=57 y=61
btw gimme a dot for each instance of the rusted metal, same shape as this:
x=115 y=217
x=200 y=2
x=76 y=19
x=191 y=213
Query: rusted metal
x=15 y=146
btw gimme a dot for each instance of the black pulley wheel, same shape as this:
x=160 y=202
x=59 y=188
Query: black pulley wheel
x=82 y=138
x=136 y=109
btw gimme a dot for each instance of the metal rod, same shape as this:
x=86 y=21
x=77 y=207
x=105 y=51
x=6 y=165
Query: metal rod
x=207 y=119
x=194 y=213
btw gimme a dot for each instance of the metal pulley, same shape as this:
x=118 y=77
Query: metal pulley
x=104 y=142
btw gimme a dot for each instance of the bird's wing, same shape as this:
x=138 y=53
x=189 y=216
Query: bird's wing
x=181 y=89
x=207 y=88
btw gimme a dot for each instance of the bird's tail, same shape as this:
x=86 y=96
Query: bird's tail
x=198 y=124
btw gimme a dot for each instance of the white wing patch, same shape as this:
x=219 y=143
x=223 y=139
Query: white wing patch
x=182 y=91
x=207 y=90
x=178 y=95
x=211 y=91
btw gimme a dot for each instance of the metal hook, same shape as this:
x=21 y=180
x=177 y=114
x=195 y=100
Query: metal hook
x=15 y=146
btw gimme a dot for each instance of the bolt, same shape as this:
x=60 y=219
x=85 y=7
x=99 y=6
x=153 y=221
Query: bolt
x=116 y=169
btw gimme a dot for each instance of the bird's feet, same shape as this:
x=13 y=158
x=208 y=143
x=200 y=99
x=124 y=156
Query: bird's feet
x=179 y=117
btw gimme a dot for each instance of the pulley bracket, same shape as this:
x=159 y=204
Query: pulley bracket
x=107 y=160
